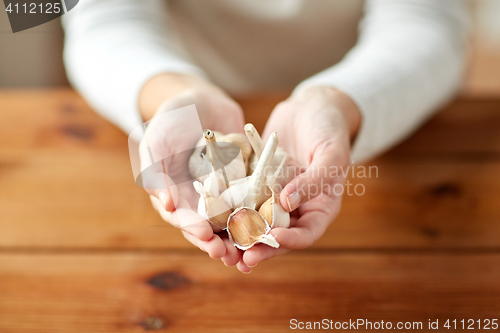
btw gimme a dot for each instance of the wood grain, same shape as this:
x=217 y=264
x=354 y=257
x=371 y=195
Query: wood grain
x=59 y=118
x=190 y=293
x=464 y=126
x=81 y=249
x=423 y=204
x=66 y=182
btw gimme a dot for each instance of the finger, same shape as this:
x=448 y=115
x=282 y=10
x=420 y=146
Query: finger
x=294 y=238
x=233 y=255
x=166 y=198
x=155 y=180
x=214 y=247
x=317 y=177
x=242 y=267
x=261 y=252
x=293 y=219
x=311 y=226
x=185 y=219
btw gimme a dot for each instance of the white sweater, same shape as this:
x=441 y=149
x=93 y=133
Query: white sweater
x=399 y=60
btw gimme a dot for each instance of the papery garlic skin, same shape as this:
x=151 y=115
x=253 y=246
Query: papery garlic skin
x=217 y=212
x=236 y=208
x=254 y=139
x=280 y=155
x=252 y=191
x=199 y=163
x=211 y=207
x=274 y=214
x=246 y=227
x=238 y=194
x=257 y=181
x=266 y=210
x=272 y=210
x=239 y=139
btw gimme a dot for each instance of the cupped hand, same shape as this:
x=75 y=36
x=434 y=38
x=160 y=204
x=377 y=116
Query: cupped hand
x=167 y=135
x=316 y=128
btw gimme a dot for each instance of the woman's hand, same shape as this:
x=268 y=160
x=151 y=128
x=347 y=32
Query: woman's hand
x=316 y=128
x=169 y=133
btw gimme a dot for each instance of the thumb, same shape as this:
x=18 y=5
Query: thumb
x=318 y=178
x=154 y=178
x=168 y=197
x=158 y=184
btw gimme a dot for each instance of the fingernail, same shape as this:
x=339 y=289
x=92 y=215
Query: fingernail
x=252 y=266
x=163 y=198
x=247 y=272
x=293 y=200
x=224 y=262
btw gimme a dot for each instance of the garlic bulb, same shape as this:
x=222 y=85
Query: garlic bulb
x=236 y=156
x=254 y=198
x=246 y=227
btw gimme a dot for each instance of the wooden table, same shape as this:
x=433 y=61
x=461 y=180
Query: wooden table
x=81 y=249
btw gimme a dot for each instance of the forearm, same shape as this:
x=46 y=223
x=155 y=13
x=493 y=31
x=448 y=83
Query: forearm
x=112 y=48
x=166 y=86
x=410 y=58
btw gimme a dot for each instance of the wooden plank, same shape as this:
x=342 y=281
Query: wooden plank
x=470 y=128
x=192 y=293
x=53 y=118
x=71 y=189
x=465 y=126
x=414 y=204
x=58 y=118
x=421 y=204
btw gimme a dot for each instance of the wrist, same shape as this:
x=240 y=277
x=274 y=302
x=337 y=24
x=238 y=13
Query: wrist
x=343 y=103
x=166 y=86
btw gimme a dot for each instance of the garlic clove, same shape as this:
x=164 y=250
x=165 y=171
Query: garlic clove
x=240 y=140
x=254 y=139
x=212 y=208
x=235 y=195
x=272 y=210
x=252 y=191
x=280 y=154
x=246 y=227
x=281 y=218
x=217 y=212
x=274 y=214
x=257 y=146
x=252 y=163
x=266 y=210
x=211 y=185
x=257 y=181
x=198 y=187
